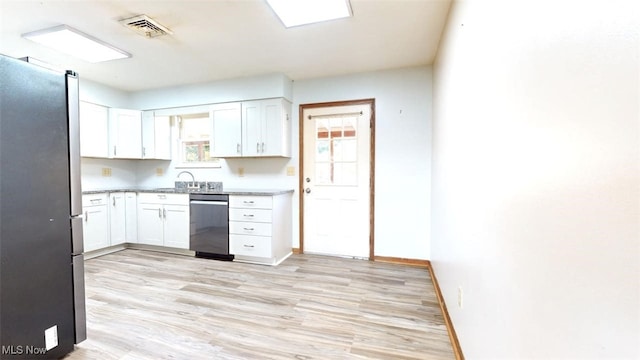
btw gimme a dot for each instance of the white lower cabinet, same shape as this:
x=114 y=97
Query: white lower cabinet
x=131 y=220
x=260 y=228
x=163 y=220
x=109 y=219
x=117 y=218
x=95 y=229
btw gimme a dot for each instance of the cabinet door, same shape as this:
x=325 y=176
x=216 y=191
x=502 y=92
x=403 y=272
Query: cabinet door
x=117 y=218
x=150 y=224
x=176 y=226
x=162 y=135
x=156 y=136
x=148 y=135
x=125 y=133
x=96 y=228
x=94 y=126
x=227 y=130
x=276 y=128
x=252 y=127
x=131 y=220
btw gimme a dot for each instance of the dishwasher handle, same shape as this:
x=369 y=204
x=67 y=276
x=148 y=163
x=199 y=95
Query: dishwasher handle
x=202 y=202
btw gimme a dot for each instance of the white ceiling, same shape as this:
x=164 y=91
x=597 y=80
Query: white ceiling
x=221 y=39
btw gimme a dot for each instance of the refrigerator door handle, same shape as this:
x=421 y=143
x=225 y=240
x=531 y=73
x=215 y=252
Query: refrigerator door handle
x=77 y=240
x=79 y=299
x=73 y=100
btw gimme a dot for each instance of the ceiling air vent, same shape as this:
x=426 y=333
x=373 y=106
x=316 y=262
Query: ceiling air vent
x=145 y=26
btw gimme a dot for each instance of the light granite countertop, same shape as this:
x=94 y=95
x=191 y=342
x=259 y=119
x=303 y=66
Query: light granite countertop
x=187 y=191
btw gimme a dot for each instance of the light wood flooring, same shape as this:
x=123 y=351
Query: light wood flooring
x=150 y=305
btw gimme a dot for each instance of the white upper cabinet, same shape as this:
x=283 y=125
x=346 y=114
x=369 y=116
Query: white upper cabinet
x=259 y=128
x=156 y=136
x=94 y=126
x=227 y=130
x=125 y=134
x=266 y=127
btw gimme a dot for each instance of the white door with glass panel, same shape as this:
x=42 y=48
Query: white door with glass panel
x=336 y=180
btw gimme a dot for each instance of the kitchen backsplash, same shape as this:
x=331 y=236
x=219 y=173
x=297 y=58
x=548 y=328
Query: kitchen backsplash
x=100 y=174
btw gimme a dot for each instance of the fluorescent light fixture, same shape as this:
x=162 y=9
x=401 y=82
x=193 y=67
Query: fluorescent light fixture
x=302 y=12
x=68 y=40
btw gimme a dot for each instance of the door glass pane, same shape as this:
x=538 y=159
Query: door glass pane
x=350 y=127
x=322 y=129
x=349 y=150
x=322 y=151
x=337 y=150
x=323 y=173
x=336 y=127
x=346 y=174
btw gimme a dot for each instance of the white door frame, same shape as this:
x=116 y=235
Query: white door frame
x=371 y=103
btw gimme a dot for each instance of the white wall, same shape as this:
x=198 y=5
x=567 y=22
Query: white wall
x=403 y=150
x=123 y=174
x=248 y=88
x=97 y=93
x=536 y=178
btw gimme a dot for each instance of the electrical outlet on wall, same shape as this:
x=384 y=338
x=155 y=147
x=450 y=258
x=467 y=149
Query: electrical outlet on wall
x=106 y=172
x=159 y=172
x=241 y=171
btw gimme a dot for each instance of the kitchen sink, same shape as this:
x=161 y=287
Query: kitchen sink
x=203 y=187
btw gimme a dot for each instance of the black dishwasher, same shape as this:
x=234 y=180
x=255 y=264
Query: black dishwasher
x=209 y=234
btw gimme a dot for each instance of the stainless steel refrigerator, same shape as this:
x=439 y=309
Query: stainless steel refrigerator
x=42 y=299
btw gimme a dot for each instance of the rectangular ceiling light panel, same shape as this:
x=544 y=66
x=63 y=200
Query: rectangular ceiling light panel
x=302 y=12
x=68 y=40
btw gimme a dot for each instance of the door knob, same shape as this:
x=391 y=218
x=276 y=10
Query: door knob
x=308 y=179
x=307 y=190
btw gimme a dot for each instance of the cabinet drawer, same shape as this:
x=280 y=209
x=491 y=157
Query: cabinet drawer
x=249 y=228
x=250 y=202
x=258 y=246
x=95 y=199
x=157 y=198
x=251 y=215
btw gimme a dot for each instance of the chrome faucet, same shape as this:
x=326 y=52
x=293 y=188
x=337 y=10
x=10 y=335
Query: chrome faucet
x=193 y=179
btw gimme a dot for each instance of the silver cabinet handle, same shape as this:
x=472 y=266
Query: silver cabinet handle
x=238 y=148
x=248 y=202
x=263 y=147
x=257 y=147
x=144 y=151
x=86 y=216
x=114 y=201
x=164 y=213
x=160 y=213
x=114 y=151
x=249 y=229
x=248 y=246
x=248 y=215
